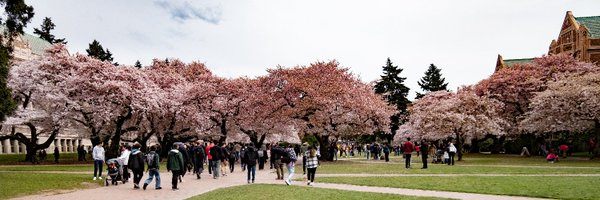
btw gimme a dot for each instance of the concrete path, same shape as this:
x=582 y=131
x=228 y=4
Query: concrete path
x=192 y=187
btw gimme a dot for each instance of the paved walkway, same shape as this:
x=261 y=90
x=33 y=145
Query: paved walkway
x=192 y=187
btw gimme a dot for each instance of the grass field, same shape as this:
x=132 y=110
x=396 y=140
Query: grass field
x=548 y=187
x=20 y=184
x=261 y=191
x=18 y=159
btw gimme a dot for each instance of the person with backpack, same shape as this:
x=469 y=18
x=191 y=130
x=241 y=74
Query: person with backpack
x=312 y=162
x=291 y=164
x=262 y=157
x=277 y=154
x=250 y=157
x=136 y=164
x=175 y=165
x=153 y=161
x=200 y=156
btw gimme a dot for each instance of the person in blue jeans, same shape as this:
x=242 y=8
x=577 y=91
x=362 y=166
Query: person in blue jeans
x=98 y=155
x=153 y=161
x=250 y=157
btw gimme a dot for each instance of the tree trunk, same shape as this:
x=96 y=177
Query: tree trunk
x=459 y=146
x=113 y=150
x=324 y=147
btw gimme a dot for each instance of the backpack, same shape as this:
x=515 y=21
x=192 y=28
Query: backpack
x=261 y=153
x=285 y=158
x=150 y=159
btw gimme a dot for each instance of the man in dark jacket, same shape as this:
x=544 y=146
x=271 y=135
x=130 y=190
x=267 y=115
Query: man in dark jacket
x=136 y=164
x=199 y=157
x=276 y=154
x=175 y=164
x=216 y=154
x=424 y=151
x=250 y=157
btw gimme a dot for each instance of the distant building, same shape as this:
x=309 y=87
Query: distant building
x=579 y=37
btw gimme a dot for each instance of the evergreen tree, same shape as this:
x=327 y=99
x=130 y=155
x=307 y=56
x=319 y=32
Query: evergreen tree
x=44 y=32
x=432 y=81
x=395 y=92
x=138 y=64
x=96 y=50
x=17 y=14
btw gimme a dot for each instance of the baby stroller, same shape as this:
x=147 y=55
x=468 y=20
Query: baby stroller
x=437 y=158
x=114 y=167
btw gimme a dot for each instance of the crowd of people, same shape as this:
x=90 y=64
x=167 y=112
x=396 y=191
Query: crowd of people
x=192 y=158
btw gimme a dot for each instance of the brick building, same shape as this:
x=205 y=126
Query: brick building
x=579 y=37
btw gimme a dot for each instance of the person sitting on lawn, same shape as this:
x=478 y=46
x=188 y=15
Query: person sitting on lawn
x=552 y=157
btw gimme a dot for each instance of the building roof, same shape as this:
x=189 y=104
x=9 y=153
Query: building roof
x=38 y=45
x=510 y=62
x=592 y=23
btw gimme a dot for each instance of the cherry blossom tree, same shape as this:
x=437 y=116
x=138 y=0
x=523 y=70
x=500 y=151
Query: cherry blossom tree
x=571 y=103
x=44 y=105
x=462 y=116
x=515 y=86
x=327 y=101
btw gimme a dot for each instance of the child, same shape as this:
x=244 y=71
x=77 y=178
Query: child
x=446 y=157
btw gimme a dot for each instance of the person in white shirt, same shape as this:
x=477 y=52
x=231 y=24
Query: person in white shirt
x=98 y=155
x=125 y=159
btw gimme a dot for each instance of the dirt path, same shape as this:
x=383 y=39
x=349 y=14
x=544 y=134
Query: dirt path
x=192 y=187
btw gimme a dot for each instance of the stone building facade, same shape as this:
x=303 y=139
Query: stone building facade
x=578 y=37
x=28 y=47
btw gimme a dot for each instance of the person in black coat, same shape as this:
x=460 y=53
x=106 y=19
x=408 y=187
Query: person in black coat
x=56 y=155
x=424 y=151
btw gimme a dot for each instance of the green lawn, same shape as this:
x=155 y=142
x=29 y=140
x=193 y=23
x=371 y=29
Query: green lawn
x=21 y=184
x=12 y=159
x=262 y=191
x=351 y=167
x=548 y=187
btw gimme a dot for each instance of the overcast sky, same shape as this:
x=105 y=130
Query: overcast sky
x=243 y=38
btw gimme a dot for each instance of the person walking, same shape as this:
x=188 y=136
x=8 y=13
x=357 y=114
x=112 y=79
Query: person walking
x=56 y=155
x=303 y=150
x=407 y=148
x=98 y=156
x=153 y=161
x=451 y=153
x=425 y=148
x=276 y=154
x=224 y=159
x=215 y=153
x=209 y=157
x=312 y=162
x=125 y=160
x=176 y=166
x=250 y=157
x=232 y=158
x=291 y=166
x=262 y=157
x=200 y=156
x=136 y=164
